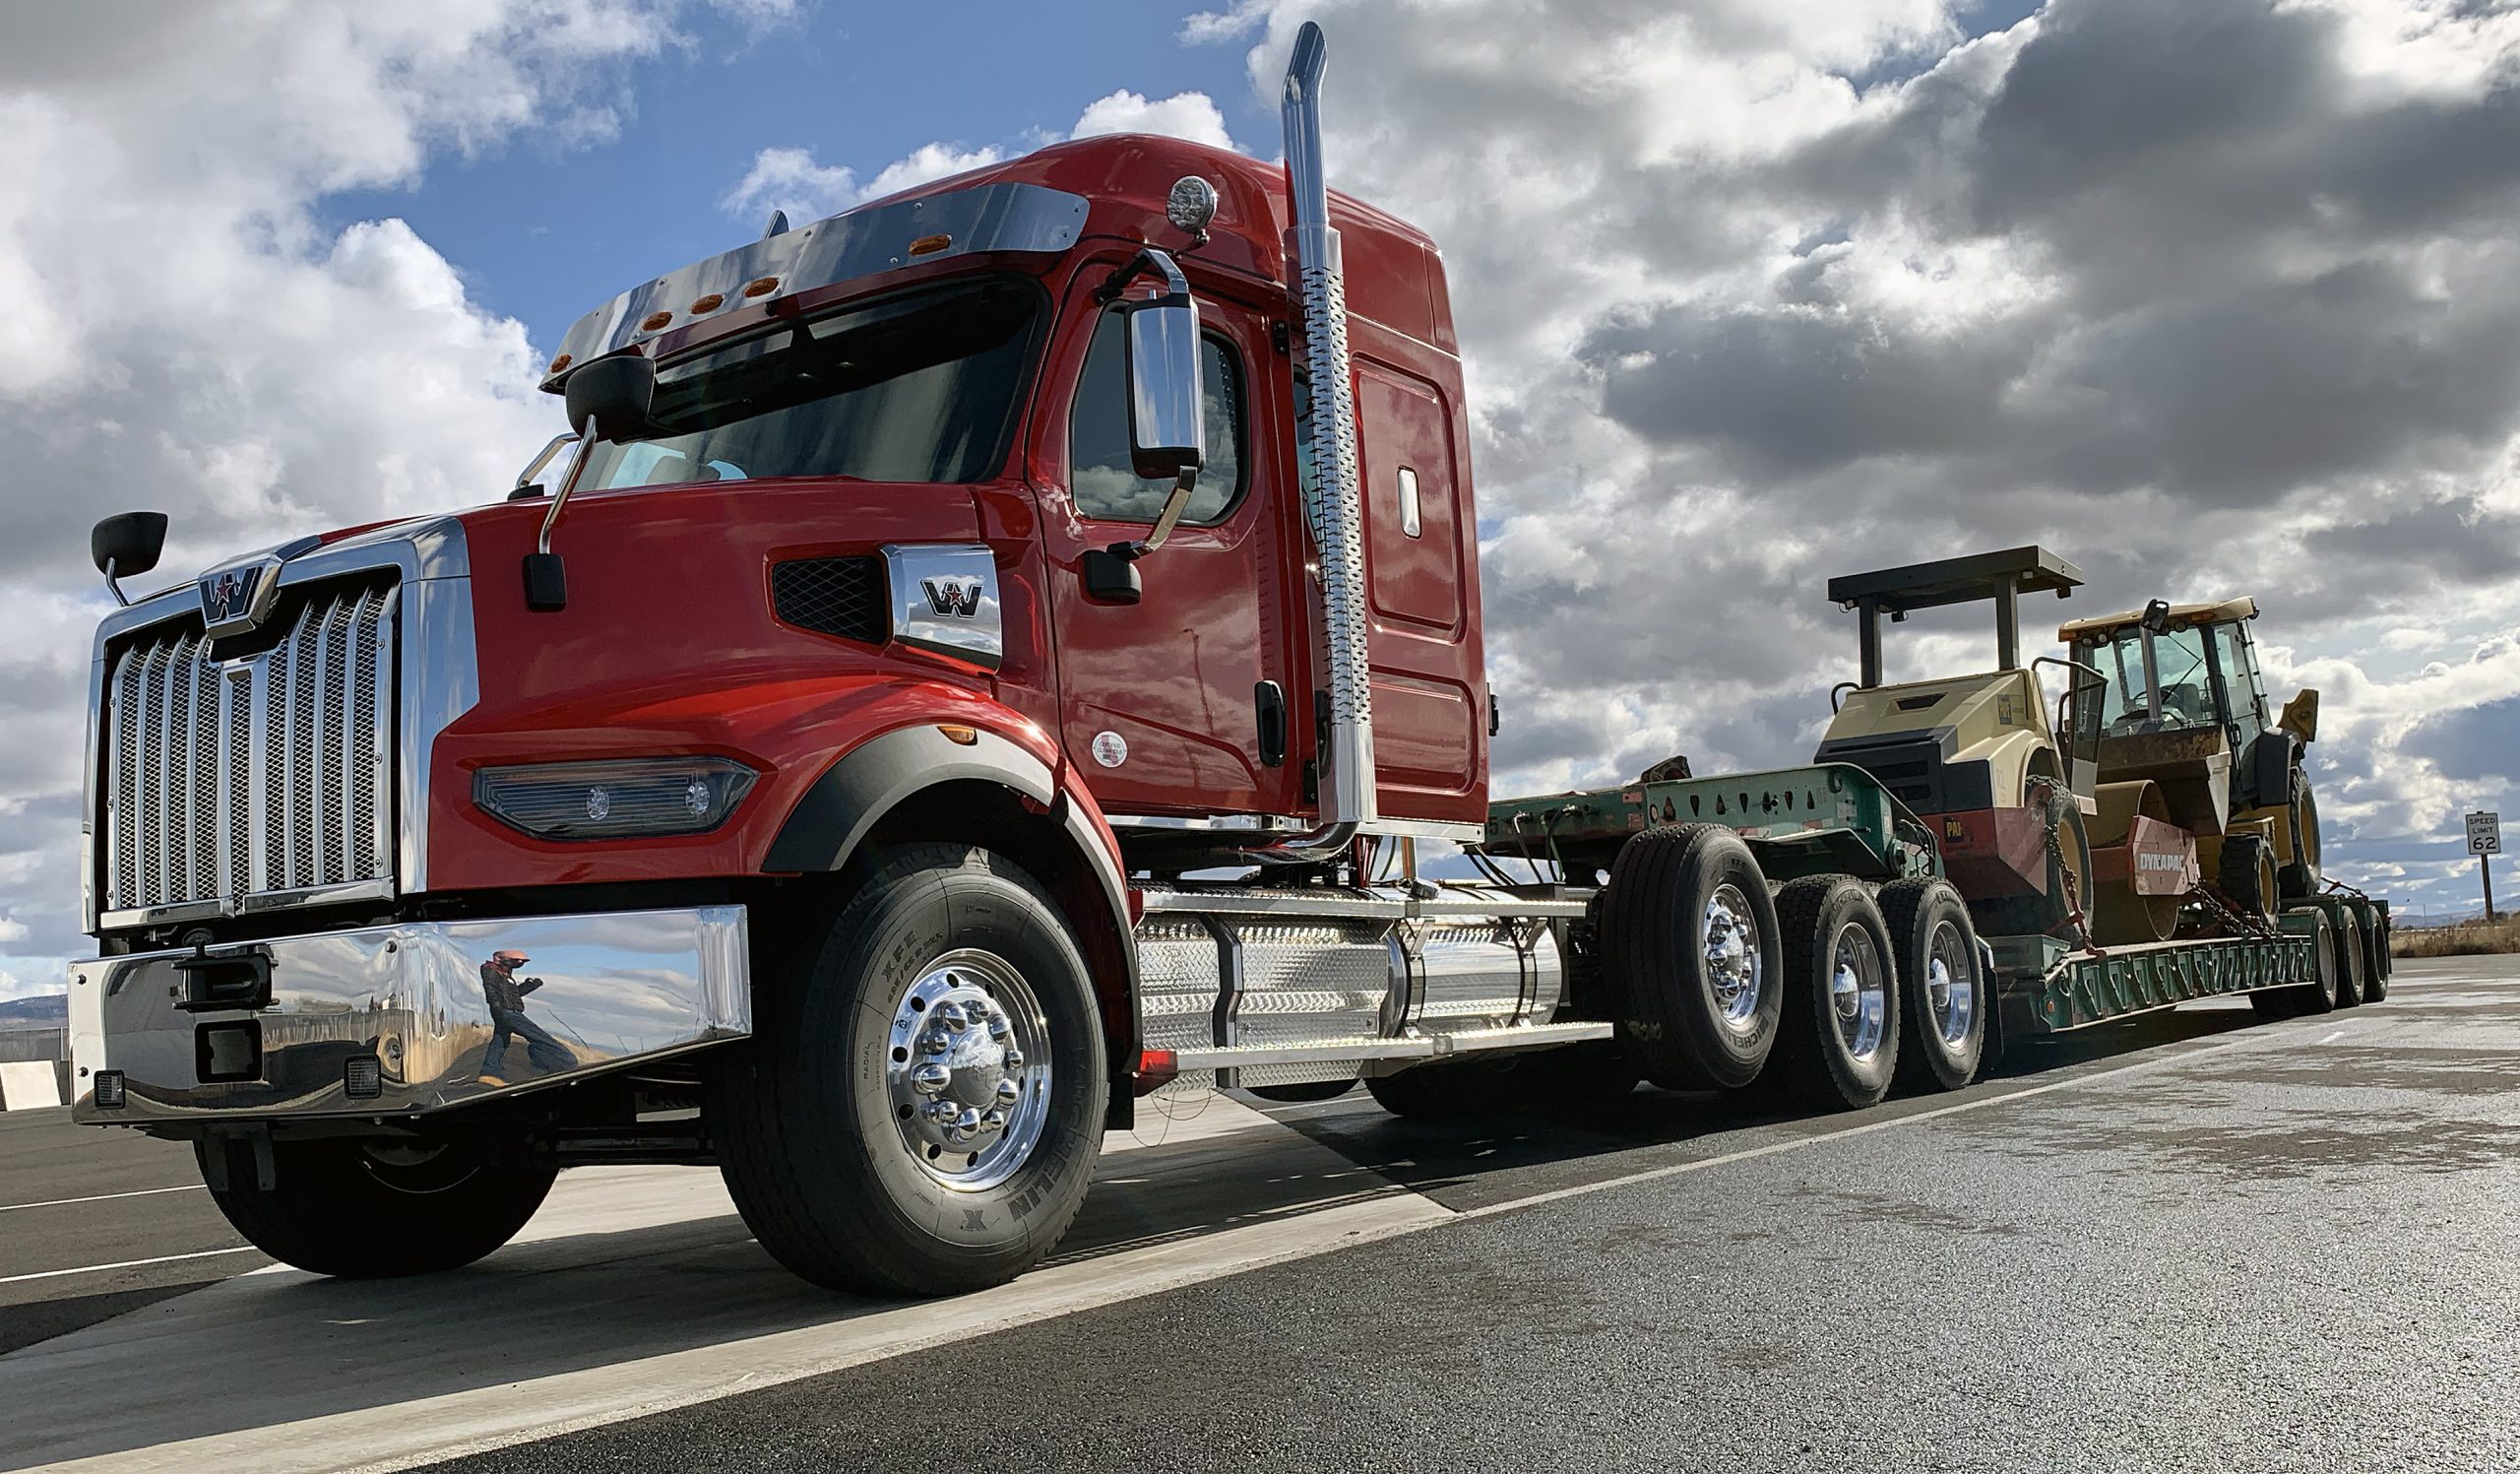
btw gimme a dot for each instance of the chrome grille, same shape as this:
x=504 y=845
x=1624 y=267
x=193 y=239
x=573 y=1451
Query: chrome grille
x=266 y=773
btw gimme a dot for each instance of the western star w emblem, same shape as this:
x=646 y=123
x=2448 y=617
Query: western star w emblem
x=235 y=599
x=954 y=597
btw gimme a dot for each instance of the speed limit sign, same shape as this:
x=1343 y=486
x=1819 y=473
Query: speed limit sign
x=2484 y=833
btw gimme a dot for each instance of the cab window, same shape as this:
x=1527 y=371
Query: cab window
x=1099 y=476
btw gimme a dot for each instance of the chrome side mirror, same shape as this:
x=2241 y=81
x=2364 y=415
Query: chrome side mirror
x=1167 y=422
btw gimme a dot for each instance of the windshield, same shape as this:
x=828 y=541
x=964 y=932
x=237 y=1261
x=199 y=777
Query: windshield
x=922 y=387
x=2187 y=693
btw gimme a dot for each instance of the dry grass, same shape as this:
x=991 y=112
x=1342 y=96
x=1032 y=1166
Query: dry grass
x=2466 y=939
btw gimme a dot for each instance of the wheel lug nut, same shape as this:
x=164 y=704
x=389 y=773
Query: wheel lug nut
x=969 y=1122
x=993 y=1121
x=1008 y=1092
x=934 y=1043
x=952 y=1017
x=1013 y=1060
x=930 y=1079
x=997 y=1026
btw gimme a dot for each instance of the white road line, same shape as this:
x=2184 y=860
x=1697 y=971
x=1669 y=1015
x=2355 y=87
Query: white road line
x=169 y=1258
x=63 y=1203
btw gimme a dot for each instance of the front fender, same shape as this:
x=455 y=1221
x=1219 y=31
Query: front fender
x=861 y=786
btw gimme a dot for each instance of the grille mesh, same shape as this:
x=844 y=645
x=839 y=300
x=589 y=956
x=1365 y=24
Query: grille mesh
x=266 y=773
x=844 y=596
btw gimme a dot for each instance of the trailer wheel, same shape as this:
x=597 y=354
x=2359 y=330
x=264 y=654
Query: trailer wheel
x=2301 y=877
x=1942 y=982
x=376 y=1210
x=1836 y=1044
x=919 y=1110
x=2317 y=996
x=2350 y=972
x=1688 y=944
x=2375 y=952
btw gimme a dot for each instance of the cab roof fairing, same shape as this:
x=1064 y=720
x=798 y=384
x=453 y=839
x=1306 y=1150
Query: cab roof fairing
x=1110 y=186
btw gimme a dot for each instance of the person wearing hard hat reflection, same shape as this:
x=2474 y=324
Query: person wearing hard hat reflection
x=505 y=993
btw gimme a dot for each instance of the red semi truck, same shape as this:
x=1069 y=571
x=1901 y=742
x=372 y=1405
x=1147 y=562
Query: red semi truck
x=971 y=669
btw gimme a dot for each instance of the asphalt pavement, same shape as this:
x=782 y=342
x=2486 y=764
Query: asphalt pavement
x=2191 y=1240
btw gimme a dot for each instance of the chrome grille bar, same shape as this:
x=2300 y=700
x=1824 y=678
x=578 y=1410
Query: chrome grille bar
x=263 y=774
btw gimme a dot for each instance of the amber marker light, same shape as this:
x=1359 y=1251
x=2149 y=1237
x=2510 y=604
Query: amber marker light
x=558 y=364
x=929 y=245
x=965 y=735
x=761 y=287
x=654 y=320
x=710 y=303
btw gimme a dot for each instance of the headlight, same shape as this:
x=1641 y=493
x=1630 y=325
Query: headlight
x=645 y=796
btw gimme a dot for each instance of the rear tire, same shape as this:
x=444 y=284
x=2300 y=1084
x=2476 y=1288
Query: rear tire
x=2312 y=998
x=1688 y=944
x=856 y=1167
x=362 y=1211
x=2349 y=960
x=2300 y=879
x=1943 y=1022
x=1836 y=1045
x=2376 y=953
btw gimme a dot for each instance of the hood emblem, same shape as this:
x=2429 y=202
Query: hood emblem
x=237 y=597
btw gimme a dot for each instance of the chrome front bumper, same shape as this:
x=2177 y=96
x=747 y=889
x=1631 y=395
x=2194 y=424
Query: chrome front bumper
x=393 y=1021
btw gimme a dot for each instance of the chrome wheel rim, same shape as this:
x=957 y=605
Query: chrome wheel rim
x=967 y=1069
x=1951 y=985
x=1729 y=937
x=1859 y=992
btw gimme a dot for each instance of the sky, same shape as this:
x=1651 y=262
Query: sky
x=2212 y=296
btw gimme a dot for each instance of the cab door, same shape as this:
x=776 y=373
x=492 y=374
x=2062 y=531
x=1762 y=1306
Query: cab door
x=1162 y=702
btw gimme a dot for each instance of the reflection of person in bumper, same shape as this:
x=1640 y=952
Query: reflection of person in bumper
x=505 y=993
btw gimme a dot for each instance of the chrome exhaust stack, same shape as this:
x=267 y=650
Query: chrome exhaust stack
x=1331 y=503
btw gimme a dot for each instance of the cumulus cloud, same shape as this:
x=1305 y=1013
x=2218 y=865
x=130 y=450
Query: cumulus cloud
x=791 y=178
x=180 y=330
x=2209 y=294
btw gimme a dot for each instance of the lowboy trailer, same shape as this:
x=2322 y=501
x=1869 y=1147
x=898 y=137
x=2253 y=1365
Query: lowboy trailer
x=827 y=773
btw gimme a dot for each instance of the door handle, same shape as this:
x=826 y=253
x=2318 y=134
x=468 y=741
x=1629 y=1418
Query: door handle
x=1269 y=700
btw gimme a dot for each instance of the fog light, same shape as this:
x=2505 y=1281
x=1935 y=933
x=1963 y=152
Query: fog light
x=109 y=1087
x=363 y=1078
x=630 y=797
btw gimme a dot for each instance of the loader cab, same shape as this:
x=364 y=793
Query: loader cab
x=2199 y=672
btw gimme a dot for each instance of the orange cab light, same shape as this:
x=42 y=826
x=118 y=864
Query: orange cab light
x=654 y=320
x=965 y=735
x=710 y=303
x=558 y=364
x=929 y=245
x=761 y=287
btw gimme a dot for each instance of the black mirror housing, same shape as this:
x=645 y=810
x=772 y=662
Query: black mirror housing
x=613 y=392
x=128 y=543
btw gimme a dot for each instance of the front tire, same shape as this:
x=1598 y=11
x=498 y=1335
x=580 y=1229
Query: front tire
x=1942 y=983
x=377 y=1210
x=919 y=1111
x=1688 y=945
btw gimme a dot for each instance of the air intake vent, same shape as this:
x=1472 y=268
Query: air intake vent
x=844 y=596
